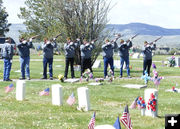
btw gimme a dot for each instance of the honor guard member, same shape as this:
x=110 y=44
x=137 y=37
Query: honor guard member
x=48 y=52
x=70 y=48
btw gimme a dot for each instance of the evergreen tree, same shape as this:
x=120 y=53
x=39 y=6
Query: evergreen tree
x=4 y=26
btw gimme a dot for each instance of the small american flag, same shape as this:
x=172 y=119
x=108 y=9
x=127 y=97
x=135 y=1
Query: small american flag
x=92 y=122
x=134 y=103
x=71 y=100
x=9 y=88
x=44 y=92
x=125 y=119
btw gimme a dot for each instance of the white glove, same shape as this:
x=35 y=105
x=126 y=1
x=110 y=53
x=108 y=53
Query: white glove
x=71 y=43
x=130 y=39
x=108 y=43
x=92 y=42
x=24 y=42
x=30 y=40
x=87 y=44
x=54 y=39
x=48 y=42
x=78 y=39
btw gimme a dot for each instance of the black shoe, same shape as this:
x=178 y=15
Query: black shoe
x=129 y=77
x=28 y=78
x=4 y=80
x=44 y=78
x=22 y=78
x=120 y=76
x=51 y=78
x=65 y=78
x=9 y=80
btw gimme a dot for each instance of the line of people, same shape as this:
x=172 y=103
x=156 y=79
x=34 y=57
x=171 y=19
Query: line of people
x=70 y=47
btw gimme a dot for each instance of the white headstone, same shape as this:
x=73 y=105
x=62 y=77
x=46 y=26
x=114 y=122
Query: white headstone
x=20 y=90
x=135 y=86
x=72 y=80
x=77 y=67
x=57 y=95
x=17 y=71
x=104 y=127
x=136 y=56
x=97 y=64
x=147 y=94
x=177 y=62
x=83 y=99
x=95 y=84
x=117 y=64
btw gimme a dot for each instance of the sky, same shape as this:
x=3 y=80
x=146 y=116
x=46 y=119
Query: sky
x=164 y=13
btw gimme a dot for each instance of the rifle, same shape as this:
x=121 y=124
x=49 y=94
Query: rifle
x=56 y=37
x=155 y=40
x=135 y=36
x=132 y=37
x=35 y=36
x=117 y=37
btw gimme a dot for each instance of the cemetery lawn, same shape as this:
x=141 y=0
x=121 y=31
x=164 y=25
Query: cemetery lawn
x=108 y=100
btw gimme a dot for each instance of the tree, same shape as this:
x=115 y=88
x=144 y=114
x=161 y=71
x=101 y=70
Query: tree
x=4 y=26
x=84 y=19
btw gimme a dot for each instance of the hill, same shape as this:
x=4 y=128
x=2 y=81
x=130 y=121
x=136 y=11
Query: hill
x=171 y=37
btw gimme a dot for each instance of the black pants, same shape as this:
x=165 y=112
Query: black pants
x=71 y=62
x=147 y=65
x=85 y=64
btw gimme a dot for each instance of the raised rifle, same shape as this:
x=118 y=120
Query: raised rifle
x=155 y=40
x=55 y=37
x=132 y=37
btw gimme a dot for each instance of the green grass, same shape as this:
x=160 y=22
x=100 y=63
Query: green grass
x=108 y=100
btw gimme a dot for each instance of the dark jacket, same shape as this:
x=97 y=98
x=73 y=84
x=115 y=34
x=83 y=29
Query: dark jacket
x=24 y=49
x=124 y=49
x=7 y=51
x=48 y=49
x=108 y=49
x=70 y=49
x=86 y=50
x=147 y=52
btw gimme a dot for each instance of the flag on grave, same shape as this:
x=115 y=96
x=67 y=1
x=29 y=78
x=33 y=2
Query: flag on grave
x=125 y=119
x=92 y=122
x=71 y=100
x=44 y=92
x=117 y=124
x=9 y=88
x=134 y=103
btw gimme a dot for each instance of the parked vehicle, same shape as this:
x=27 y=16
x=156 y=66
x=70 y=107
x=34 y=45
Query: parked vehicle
x=2 y=41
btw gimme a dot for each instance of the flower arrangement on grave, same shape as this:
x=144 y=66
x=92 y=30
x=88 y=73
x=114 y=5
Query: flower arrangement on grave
x=174 y=89
x=88 y=75
x=145 y=77
x=141 y=103
x=151 y=105
x=61 y=77
x=110 y=76
x=153 y=66
x=156 y=79
x=172 y=61
x=99 y=79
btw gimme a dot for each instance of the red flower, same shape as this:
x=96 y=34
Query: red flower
x=140 y=98
x=154 y=102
